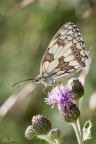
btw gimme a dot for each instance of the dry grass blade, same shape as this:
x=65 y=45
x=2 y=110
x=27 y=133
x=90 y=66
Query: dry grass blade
x=13 y=99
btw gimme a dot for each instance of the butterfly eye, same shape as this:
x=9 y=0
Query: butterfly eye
x=37 y=80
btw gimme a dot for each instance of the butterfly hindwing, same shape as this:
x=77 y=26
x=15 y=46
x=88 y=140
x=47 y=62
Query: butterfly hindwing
x=65 y=54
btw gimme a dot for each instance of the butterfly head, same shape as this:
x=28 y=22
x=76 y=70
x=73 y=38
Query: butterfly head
x=44 y=79
x=40 y=80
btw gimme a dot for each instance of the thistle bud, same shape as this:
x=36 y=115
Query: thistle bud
x=71 y=113
x=54 y=134
x=41 y=125
x=77 y=88
x=29 y=133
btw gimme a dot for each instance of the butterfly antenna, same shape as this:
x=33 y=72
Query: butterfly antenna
x=20 y=82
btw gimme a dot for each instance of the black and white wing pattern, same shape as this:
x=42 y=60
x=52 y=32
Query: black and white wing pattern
x=66 y=53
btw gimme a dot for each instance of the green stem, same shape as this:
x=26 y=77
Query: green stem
x=57 y=141
x=79 y=127
x=77 y=132
x=78 y=121
x=47 y=139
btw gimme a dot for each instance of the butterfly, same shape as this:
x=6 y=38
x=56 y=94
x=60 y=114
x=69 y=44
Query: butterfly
x=65 y=55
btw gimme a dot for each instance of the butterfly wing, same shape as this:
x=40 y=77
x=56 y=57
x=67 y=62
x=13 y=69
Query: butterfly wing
x=66 y=53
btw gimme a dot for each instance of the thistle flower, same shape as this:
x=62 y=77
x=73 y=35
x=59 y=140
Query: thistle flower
x=41 y=125
x=63 y=97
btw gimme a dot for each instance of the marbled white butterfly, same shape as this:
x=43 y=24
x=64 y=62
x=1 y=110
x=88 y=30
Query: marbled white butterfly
x=65 y=55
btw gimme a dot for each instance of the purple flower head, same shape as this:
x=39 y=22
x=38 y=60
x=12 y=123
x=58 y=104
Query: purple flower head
x=62 y=96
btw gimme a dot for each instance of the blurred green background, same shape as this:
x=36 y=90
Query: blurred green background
x=26 y=28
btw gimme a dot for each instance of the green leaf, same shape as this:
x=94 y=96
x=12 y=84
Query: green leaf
x=87 y=130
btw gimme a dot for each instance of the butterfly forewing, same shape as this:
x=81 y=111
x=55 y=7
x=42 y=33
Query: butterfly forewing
x=65 y=54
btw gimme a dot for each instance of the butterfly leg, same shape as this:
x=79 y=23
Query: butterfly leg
x=44 y=90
